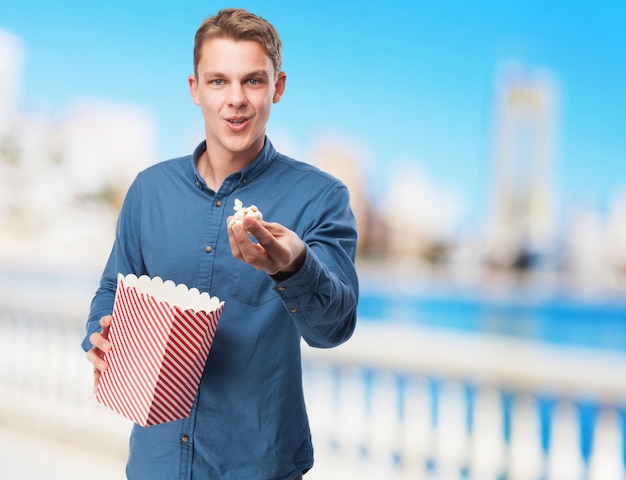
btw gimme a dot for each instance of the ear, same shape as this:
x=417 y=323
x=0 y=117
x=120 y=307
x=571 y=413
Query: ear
x=193 y=89
x=279 y=88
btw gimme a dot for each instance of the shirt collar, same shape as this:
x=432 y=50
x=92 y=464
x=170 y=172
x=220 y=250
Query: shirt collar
x=243 y=176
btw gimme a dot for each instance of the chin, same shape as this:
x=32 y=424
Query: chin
x=243 y=145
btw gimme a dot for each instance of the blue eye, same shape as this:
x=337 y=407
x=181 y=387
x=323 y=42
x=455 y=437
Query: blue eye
x=217 y=82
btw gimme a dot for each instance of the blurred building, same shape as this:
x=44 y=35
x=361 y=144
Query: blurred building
x=103 y=146
x=616 y=232
x=420 y=217
x=522 y=209
x=616 y=242
x=11 y=59
x=63 y=177
x=344 y=161
x=594 y=248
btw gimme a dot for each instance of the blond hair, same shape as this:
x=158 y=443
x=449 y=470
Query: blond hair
x=239 y=24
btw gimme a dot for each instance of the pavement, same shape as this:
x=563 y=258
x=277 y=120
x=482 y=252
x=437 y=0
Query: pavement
x=26 y=456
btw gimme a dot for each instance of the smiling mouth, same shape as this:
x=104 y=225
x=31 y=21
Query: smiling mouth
x=237 y=122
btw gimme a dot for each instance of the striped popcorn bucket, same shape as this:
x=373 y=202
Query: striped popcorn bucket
x=161 y=335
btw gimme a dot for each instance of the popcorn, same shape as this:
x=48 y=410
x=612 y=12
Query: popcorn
x=241 y=212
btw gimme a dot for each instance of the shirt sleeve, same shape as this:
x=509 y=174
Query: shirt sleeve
x=125 y=258
x=322 y=296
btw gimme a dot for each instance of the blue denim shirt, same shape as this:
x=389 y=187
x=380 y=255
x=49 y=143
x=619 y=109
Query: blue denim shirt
x=248 y=420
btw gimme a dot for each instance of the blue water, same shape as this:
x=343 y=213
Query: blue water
x=553 y=320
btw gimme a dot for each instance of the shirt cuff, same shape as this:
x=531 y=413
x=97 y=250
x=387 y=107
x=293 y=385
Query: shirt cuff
x=303 y=280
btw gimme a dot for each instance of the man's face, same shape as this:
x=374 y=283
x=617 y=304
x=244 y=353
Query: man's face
x=235 y=88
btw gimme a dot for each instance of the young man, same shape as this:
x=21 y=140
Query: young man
x=297 y=280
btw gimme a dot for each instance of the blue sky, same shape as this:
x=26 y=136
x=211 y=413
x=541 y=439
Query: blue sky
x=403 y=79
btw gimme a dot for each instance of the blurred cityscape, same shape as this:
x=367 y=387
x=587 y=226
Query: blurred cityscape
x=402 y=399
x=64 y=177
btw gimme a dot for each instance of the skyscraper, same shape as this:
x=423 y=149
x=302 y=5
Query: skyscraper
x=523 y=201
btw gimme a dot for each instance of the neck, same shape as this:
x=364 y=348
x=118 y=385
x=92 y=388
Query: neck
x=214 y=172
x=215 y=165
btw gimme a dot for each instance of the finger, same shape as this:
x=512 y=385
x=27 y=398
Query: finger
x=233 y=232
x=257 y=229
x=99 y=341
x=250 y=251
x=105 y=322
x=95 y=357
x=96 y=380
x=242 y=238
x=281 y=244
x=105 y=325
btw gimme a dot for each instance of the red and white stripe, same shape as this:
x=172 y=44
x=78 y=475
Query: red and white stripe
x=157 y=359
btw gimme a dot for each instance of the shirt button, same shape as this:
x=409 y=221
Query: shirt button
x=218 y=203
x=281 y=289
x=208 y=249
x=293 y=310
x=185 y=438
x=198 y=184
x=244 y=180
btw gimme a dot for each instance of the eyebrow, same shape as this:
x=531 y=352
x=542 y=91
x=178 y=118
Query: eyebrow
x=257 y=73
x=254 y=74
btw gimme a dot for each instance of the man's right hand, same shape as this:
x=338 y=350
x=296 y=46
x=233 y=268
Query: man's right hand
x=101 y=345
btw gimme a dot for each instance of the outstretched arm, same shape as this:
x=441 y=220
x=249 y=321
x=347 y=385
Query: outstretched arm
x=315 y=275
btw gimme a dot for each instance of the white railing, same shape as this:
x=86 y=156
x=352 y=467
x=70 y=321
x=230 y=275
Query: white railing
x=403 y=402
x=395 y=402
x=45 y=381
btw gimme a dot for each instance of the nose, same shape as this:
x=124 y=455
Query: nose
x=237 y=95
